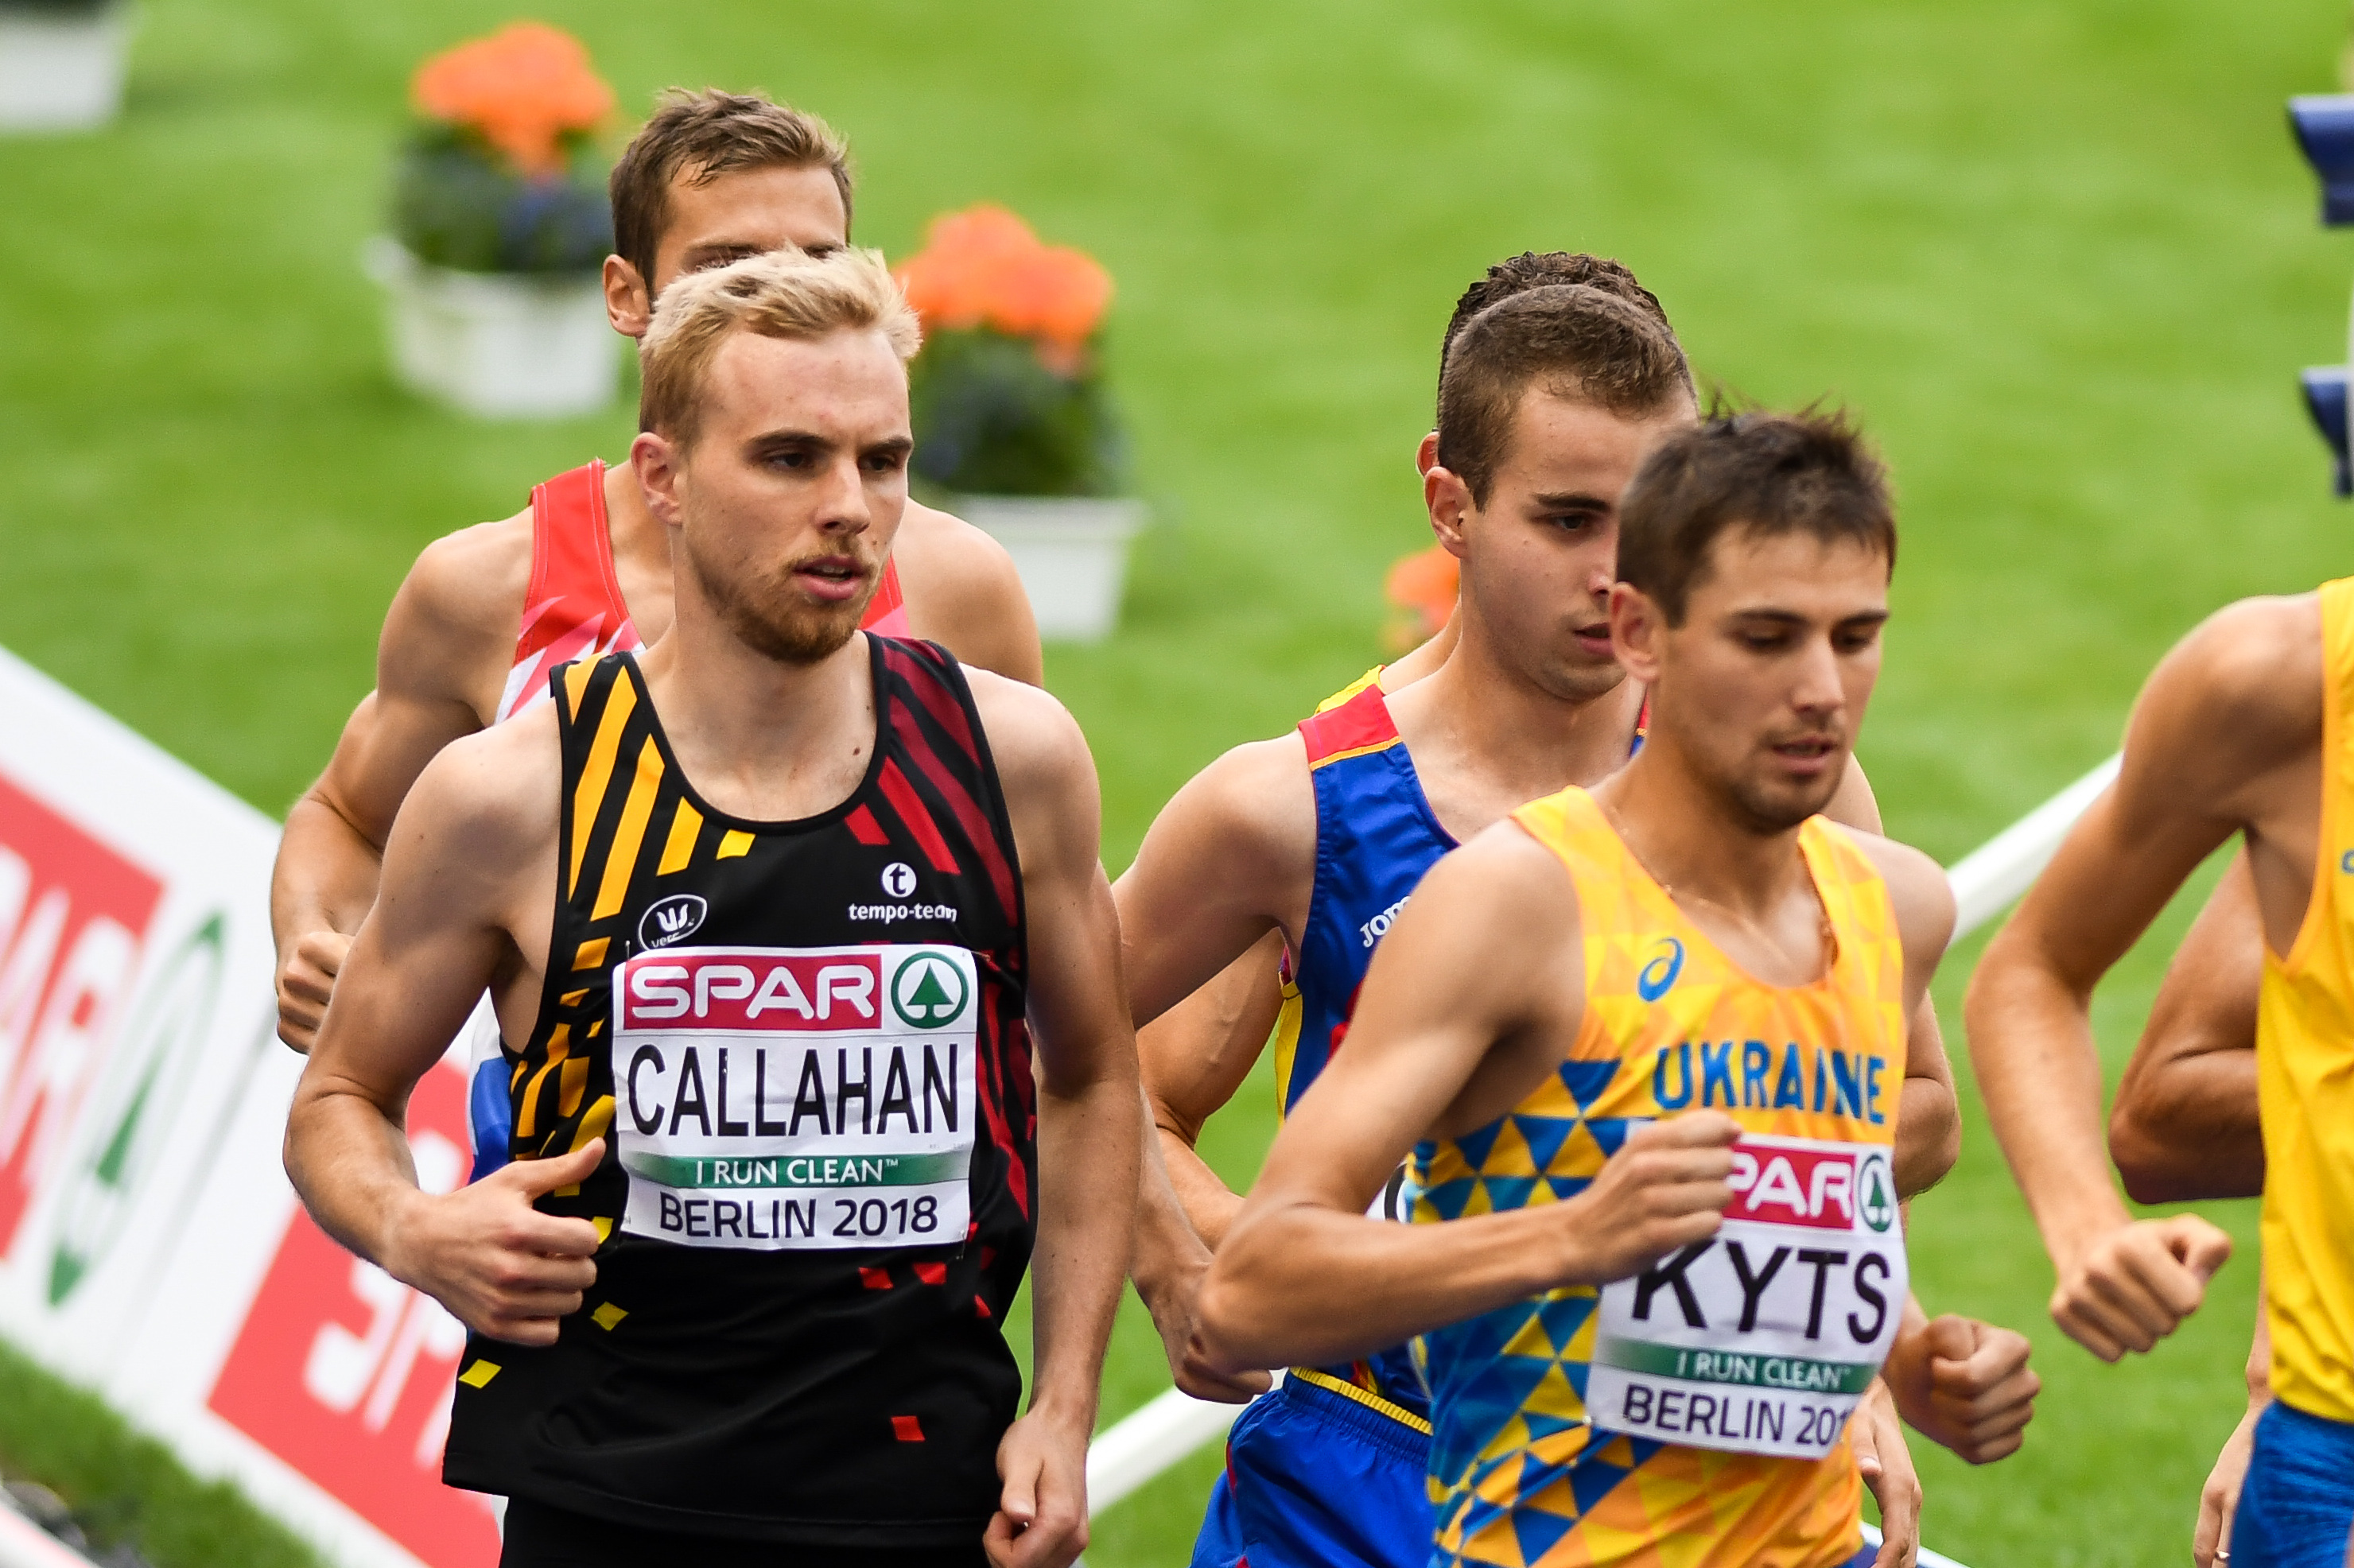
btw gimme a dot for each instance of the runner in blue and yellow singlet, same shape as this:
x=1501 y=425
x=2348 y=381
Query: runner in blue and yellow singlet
x=1644 y=1342
x=1322 y=838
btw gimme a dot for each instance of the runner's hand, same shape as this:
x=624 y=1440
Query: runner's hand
x=1878 y=1440
x=2220 y=1499
x=2136 y=1284
x=305 y=984
x=1965 y=1384
x=1172 y=1302
x=502 y=1268
x=1664 y=1189
x=1042 y=1513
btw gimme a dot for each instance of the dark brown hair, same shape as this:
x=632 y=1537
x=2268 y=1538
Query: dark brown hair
x=1536 y=269
x=1769 y=473
x=704 y=136
x=1574 y=340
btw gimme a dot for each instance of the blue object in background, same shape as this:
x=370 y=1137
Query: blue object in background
x=2324 y=124
x=2324 y=399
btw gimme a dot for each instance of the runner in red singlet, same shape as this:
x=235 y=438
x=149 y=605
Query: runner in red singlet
x=711 y=178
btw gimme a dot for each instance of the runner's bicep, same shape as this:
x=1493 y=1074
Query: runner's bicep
x=1201 y=891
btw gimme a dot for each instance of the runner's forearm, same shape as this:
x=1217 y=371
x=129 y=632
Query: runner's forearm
x=1167 y=1248
x=1089 y=1139
x=1208 y=1204
x=1304 y=1284
x=351 y=1165
x=2031 y=1043
x=325 y=875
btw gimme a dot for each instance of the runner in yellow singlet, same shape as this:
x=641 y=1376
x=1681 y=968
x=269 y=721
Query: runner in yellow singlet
x=2244 y=730
x=1661 y=1256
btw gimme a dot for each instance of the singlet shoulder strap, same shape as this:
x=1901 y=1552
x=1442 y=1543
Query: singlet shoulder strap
x=1357 y=726
x=886 y=612
x=1856 y=901
x=572 y=546
x=929 y=705
x=1570 y=824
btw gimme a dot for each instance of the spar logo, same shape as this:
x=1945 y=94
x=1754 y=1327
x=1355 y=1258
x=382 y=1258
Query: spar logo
x=1654 y=978
x=929 y=990
x=1823 y=1186
x=1875 y=1201
x=146 y=1082
x=74 y=917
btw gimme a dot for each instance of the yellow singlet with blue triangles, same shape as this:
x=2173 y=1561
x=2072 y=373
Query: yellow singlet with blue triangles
x=2305 y=1079
x=1696 y=1415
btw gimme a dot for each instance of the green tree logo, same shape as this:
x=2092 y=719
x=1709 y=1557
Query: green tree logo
x=1875 y=1192
x=928 y=990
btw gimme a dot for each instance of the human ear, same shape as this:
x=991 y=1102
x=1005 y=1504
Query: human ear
x=629 y=303
x=1449 y=502
x=1426 y=453
x=659 y=463
x=1637 y=630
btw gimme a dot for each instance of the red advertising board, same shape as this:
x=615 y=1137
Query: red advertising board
x=345 y=1374
x=73 y=916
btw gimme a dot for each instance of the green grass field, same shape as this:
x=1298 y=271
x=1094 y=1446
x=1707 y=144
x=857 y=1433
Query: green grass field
x=2062 y=261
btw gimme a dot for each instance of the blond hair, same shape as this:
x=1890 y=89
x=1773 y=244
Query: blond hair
x=784 y=294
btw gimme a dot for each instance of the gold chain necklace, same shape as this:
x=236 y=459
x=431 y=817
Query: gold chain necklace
x=1822 y=915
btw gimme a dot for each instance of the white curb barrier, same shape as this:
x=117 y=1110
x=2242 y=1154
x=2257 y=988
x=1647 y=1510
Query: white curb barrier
x=1138 y=1447
x=24 y=1544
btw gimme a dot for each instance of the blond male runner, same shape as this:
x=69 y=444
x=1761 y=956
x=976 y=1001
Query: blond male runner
x=1711 y=904
x=1557 y=393
x=2276 y=676
x=783 y=1167
x=485 y=611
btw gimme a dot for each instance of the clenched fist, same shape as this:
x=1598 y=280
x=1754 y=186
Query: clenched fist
x=1964 y=1384
x=2134 y=1285
x=306 y=983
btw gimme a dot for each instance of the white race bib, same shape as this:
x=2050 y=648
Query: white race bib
x=1760 y=1340
x=818 y=1098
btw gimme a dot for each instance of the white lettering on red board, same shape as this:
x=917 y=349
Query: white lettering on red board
x=346 y=1374
x=74 y=915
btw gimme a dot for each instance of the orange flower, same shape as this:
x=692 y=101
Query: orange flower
x=1425 y=583
x=523 y=88
x=984 y=267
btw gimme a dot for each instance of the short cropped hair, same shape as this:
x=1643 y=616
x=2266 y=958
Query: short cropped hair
x=704 y=136
x=1538 y=269
x=1758 y=472
x=1573 y=340
x=786 y=294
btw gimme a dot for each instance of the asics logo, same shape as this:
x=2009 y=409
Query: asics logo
x=1667 y=961
x=671 y=919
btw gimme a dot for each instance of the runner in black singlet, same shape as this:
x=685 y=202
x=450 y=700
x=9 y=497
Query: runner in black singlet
x=808 y=978
x=834 y=1000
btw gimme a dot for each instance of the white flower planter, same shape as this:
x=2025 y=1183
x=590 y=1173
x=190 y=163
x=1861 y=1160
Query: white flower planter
x=497 y=344
x=1072 y=553
x=62 y=69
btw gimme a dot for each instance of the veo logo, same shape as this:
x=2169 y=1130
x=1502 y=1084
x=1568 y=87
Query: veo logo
x=1654 y=978
x=671 y=919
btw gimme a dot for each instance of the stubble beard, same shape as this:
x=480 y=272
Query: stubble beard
x=776 y=621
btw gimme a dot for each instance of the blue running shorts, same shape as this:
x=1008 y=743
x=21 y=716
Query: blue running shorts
x=2296 y=1506
x=1316 y=1481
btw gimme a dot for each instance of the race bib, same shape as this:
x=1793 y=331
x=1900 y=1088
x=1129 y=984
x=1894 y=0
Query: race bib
x=1761 y=1339
x=815 y=1099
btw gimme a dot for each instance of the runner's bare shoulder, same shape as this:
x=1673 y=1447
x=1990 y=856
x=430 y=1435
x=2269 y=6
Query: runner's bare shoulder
x=451 y=633
x=1918 y=890
x=488 y=803
x=2253 y=671
x=963 y=590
